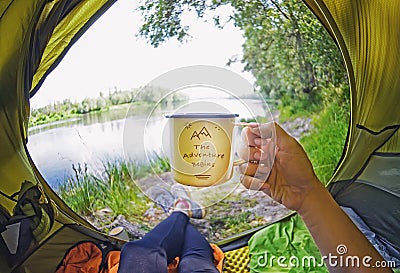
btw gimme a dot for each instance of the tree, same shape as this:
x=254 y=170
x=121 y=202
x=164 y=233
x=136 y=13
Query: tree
x=286 y=48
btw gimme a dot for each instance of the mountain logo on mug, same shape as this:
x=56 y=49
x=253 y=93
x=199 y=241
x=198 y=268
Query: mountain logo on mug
x=203 y=132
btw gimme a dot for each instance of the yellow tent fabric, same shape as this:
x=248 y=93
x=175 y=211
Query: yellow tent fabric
x=368 y=34
x=368 y=177
x=36 y=34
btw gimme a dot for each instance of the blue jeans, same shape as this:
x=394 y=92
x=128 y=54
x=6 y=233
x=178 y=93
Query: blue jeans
x=173 y=237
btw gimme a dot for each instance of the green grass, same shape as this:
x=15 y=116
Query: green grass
x=228 y=225
x=114 y=187
x=324 y=144
x=330 y=113
x=227 y=219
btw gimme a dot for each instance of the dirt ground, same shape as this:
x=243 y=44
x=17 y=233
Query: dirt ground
x=227 y=215
x=229 y=211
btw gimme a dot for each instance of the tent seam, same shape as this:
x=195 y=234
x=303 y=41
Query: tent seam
x=382 y=154
x=76 y=37
x=365 y=182
x=390 y=127
x=354 y=179
x=5 y=10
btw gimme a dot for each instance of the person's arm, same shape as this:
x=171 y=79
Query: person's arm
x=335 y=234
x=278 y=166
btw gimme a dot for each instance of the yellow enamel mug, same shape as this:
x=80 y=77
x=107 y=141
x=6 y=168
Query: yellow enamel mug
x=202 y=148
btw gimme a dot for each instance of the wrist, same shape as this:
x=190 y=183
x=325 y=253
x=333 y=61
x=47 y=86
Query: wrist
x=314 y=199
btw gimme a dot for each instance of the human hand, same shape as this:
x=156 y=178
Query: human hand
x=277 y=165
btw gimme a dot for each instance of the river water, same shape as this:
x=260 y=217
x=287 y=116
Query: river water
x=97 y=138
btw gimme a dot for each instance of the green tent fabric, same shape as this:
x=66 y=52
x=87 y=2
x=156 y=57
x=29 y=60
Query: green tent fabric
x=36 y=34
x=368 y=176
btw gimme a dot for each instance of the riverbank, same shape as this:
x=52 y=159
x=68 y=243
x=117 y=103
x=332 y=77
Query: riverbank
x=117 y=201
x=240 y=211
x=67 y=109
x=229 y=215
x=39 y=119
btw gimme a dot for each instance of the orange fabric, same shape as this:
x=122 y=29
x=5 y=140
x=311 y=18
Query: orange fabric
x=112 y=261
x=83 y=258
x=86 y=257
x=219 y=257
x=173 y=266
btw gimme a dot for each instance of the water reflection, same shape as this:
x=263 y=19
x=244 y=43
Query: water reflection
x=115 y=113
x=93 y=139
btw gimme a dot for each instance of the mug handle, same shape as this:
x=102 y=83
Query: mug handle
x=236 y=163
x=239 y=162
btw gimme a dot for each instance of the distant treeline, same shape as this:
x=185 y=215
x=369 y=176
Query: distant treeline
x=68 y=109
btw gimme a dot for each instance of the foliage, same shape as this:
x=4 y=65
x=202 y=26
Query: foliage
x=229 y=225
x=226 y=221
x=286 y=48
x=160 y=165
x=113 y=187
x=87 y=193
x=325 y=143
x=68 y=109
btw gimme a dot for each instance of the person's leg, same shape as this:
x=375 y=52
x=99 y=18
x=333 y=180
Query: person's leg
x=169 y=234
x=197 y=254
x=157 y=248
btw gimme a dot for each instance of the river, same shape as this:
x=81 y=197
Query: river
x=97 y=138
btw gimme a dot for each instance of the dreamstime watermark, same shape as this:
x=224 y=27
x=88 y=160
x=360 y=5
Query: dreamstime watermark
x=338 y=259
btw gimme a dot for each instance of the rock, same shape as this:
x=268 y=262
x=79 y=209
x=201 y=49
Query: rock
x=134 y=230
x=263 y=209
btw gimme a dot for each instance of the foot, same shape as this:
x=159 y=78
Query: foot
x=162 y=197
x=180 y=191
x=190 y=208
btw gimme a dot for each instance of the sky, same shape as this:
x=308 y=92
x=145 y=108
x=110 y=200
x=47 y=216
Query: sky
x=110 y=56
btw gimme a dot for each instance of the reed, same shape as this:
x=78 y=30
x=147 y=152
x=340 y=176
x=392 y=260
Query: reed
x=324 y=144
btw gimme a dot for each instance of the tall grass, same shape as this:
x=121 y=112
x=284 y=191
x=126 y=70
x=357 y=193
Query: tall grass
x=113 y=189
x=324 y=144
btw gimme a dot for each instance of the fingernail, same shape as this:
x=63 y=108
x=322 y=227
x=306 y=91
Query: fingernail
x=257 y=141
x=257 y=155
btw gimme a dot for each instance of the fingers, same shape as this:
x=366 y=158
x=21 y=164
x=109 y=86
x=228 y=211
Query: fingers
x=257 y=170
x=264 y=152
x=256 y=184
x=255 y=176
x=247 y=153
x=255 y=134
x=258 y=148
x=248 y=137
x=272 y=130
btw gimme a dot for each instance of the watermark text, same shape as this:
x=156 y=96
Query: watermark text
x=338 y=259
